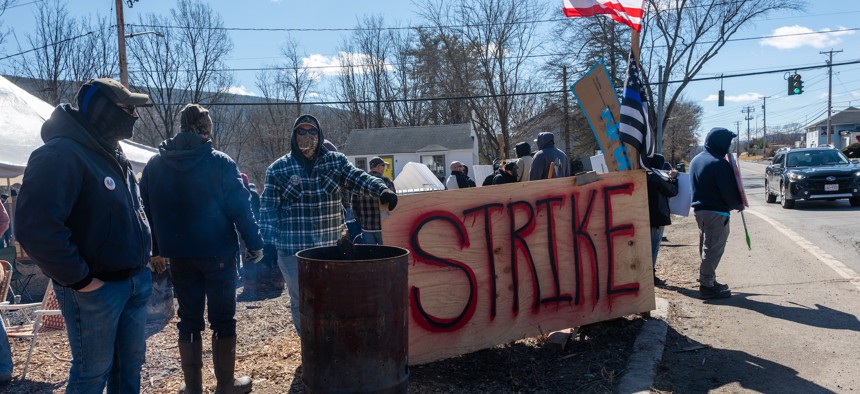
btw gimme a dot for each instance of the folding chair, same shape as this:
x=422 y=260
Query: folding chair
x=47 y=320
x=6 y=267
x=22 y=272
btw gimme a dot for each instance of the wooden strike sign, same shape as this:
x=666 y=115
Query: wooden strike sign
x=495 y=264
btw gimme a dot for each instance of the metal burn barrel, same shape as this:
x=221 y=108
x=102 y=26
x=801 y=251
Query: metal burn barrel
x=353 y=319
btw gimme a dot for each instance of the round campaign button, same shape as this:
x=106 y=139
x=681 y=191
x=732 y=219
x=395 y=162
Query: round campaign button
x=109 y=183
x=295 y=180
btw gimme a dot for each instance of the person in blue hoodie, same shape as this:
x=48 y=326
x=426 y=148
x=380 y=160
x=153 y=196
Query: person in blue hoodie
x=715 y=194
x=195 y=199
x=548 y=157
x=80 y=217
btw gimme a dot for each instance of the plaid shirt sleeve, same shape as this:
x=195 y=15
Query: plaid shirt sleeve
x=270 y=200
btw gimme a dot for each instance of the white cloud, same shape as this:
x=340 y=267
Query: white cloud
x=240 y=90
x=739 y=98
x=799 y=36
x=331 y=65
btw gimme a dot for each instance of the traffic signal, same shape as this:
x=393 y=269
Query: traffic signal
x=795 y=85
x=721 y=100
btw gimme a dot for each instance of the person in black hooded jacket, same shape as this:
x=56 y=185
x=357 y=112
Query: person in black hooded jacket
x=196 y=201
x=715 y=194
x=661 y=186
x=548 y=157
x=79 y=216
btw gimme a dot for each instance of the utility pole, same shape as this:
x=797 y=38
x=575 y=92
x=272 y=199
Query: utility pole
x=120 y=33
x=565 y=110
x=747 y=111
x=659 y=142
x=738 y=132
x=764 y=122
x=829 y=89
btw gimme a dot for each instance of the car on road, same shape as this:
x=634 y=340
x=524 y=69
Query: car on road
x=820 y=173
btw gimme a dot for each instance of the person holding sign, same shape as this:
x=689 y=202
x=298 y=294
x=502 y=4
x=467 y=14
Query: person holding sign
x=715 y=193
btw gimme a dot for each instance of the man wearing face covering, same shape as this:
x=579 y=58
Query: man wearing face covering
x=301 y=202
x=80 y=217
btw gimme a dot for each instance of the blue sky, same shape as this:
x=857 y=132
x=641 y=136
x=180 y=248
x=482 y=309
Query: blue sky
x=256 y=49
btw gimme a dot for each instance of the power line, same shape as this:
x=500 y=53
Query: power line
x=409 y=100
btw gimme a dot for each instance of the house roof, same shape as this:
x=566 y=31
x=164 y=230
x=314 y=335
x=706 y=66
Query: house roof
x=408 y=139
x=850 y=115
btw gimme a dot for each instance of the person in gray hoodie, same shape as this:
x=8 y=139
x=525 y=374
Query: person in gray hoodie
x=548 y=158
x=715 y=194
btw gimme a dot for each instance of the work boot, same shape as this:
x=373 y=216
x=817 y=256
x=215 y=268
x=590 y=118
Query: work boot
x=224 y=360
x=709 y=292
x=191 y=354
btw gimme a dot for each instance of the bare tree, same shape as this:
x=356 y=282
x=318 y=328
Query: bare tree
x=4 y=5
x=499 y=41
x=47 y=65
x=683 y=35
x=184 y=64
x=680 y=131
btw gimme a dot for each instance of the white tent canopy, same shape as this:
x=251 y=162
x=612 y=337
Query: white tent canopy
x=21 y=118
x=416 y=177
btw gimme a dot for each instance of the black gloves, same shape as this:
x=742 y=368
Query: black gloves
x=390 y=198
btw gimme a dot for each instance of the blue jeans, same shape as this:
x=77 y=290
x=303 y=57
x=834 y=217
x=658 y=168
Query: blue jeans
x=107 y=336
x=371 y=237
x=289 y=265
x=5 y=351
x=656 y=238
x=197 y=283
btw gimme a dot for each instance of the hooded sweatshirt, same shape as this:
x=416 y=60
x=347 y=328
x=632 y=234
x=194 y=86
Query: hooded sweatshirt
x=196 y=202
x=659 y=190
x=548 y=154
x=524 y=161
x=712 y=177
x=300 y=206
x=79 y=213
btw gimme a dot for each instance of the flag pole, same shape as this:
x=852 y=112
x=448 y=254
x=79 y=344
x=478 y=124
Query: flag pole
x=634 y=47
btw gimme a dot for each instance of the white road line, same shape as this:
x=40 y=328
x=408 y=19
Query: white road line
x=823 y=256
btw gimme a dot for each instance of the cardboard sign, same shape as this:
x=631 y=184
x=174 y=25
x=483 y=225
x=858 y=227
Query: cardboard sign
x=596 y=97
x=733 y=160
x=495 y=264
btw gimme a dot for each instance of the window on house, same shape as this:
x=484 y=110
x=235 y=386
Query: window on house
x=435 y=163
x=361 y=163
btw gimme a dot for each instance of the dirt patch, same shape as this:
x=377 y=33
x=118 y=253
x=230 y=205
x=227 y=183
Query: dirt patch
x=269 y=351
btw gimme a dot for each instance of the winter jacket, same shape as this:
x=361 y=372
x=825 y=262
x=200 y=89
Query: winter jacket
x=195 y=200
x=301 y=202
x=548 y=154
x=524 y=161
x=366 y=208
x=713 y=179
x=660 y=189
x=503 y=177
x=79 y=213
x=458 y=180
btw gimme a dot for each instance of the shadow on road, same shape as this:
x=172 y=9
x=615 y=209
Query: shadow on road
x=709 y=369
x=820 y=316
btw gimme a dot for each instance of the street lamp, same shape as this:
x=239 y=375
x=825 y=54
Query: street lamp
x=123 y=62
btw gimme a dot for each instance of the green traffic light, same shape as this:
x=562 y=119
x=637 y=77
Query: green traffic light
x=797 y=90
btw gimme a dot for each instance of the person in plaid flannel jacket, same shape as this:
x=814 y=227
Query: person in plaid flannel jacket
x=366 y=208
x=301 y=202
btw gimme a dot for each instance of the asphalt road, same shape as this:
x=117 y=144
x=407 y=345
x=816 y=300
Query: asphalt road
x=833 y=226
x=791 y=324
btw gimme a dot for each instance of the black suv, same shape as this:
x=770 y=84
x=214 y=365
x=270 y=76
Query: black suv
x=820 y=173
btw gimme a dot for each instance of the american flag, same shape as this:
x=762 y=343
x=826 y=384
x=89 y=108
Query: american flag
x=634 y=127
x=628 y=12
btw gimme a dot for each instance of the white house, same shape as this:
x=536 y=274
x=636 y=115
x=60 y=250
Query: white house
x=845 y=129
x=434 y=146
